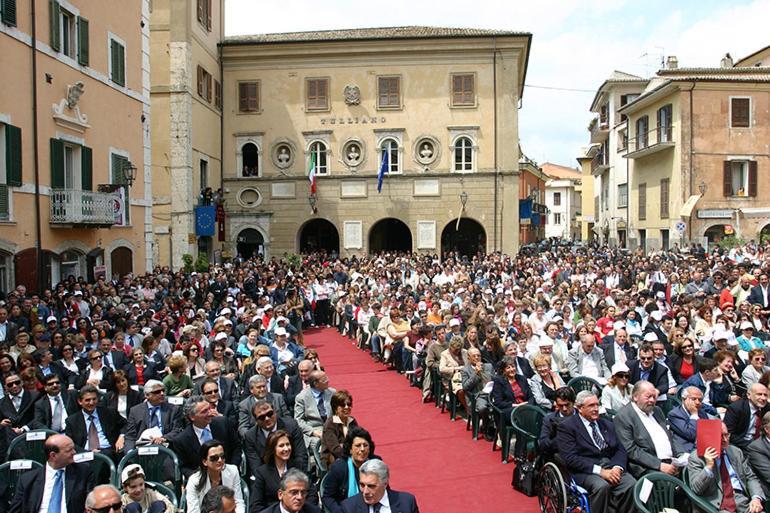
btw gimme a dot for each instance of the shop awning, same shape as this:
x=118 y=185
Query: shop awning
x=689 y=205
x=756 y=211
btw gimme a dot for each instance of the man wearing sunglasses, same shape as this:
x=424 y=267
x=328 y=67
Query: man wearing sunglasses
x=104 y=499
x=52 y=410
x=154 y=412
x=267 y=422
x=61 y=484
x=17 y=407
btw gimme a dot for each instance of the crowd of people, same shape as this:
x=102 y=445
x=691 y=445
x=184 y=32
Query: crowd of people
x=214 y=366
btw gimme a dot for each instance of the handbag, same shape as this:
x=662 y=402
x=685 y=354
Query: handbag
x=524 y=475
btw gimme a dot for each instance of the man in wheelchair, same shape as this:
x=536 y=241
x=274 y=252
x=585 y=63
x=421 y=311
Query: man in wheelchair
x=593 y=455
x=565 y=408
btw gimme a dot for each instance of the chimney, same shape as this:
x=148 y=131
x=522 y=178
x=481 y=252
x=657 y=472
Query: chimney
x=726 y=62
x=672 y=62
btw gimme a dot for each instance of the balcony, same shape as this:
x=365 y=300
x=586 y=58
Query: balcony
x=85 y=208
x=599 y=129
x=600 y=163
x=653 y=141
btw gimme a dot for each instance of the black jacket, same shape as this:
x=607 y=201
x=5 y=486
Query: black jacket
x=254 y=443
x=112 y=425
x=187 y=447
x=78 y=481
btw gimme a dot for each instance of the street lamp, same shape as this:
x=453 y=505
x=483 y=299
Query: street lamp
x=313 y=200
x=702 y=187
x=129 y=173
x=463 y=198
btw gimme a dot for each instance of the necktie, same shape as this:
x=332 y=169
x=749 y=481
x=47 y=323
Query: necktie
x=757 y=425
x=17 y=402
x=376 y=507
x=728 y=494
x=205 y=435
x=56 y=417
x=321 y=407
x=54 y=506
x=154 y=421
x=598 y=438
x=93 y=434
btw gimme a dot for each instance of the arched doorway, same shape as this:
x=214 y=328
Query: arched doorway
x=122 y=261
x=250 y=243
x=319 y=235
x=467 y=239
x=764 y=234
x=715 y=233
x=390 y=234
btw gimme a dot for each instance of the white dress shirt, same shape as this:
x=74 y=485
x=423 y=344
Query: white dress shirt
x=54 y=401
x=50 y=475
x=663 y=449
x=384 y=504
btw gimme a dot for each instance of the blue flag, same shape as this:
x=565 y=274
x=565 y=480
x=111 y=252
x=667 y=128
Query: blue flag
x=383 y=170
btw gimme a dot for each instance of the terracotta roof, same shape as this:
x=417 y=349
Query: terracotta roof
x=622 y=76
x=743 y=62
x=750 y=70
x=410 y=32
x=557 y=171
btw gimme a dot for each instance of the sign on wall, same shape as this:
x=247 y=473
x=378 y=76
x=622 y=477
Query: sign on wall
x=426 y=234
x=353 y=233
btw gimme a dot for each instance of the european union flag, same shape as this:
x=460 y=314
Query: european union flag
x=383 y=170
x=205 y=221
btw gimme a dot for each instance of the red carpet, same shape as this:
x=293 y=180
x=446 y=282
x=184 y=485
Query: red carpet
x=429 y=456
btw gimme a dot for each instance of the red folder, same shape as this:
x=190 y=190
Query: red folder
x=708 y=434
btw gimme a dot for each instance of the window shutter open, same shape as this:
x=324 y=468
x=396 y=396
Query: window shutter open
x=208 y=14
x=727 y=185
x=82 y=41
x=57 y=164
x=753 y=178
x=208 y=87
x=86 y=169
x=122 y=64
x=9 y=12
x=200 y=81
x=13 y=155
x=200 y=10
x=55 y=13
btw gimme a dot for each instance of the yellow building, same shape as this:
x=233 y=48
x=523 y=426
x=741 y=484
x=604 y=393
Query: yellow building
x=74 y=119
x=698 y=139
x=440 y=104
x=186 y=121
x=587 y=217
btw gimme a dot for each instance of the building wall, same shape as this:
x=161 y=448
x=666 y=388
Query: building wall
x=532 y=183
x=113 y=119
x=421 y=192
x=587 y=194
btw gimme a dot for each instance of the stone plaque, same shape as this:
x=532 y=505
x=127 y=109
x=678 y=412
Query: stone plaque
x=353 y=189
x=426 y=188
x=426 y=234
x=283 y=190
x=353 y=232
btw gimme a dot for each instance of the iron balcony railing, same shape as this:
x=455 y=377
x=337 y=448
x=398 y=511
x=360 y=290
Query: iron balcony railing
x=72 y=206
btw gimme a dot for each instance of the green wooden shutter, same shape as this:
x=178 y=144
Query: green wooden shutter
x=118 y=59
x=86 y=169
x=55 y=13
x=113 y=60
x=122 y=63
x=83 y=41
x=9 y=12
x=57 y=164
x=119 y=162
x=13 y=155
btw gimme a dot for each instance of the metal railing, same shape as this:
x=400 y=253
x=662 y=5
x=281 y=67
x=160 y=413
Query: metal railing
x=658 y=135
x=71 y=206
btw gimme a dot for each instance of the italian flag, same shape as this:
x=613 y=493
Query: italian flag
x=311 y=172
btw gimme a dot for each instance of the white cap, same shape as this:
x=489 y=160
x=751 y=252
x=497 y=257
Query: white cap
x=230 y=299
x=131 y=471
x=268 y=307
x=487 y=291
x=657 y=315
x=746 y=325
x=77 y=293
x=281 y=318
x=650 y=337
x=225 y=311
x=618 y=325
x=221 y=336
x=720 y=334
x=454 y=322
x=619 y=367
x=51 y=318
x=460 y=290
x=544 y=342
x=557 y=318
x=661 y=294
x=135 y=305
x=280 y=332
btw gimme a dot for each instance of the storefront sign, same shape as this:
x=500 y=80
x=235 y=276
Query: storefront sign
x=357 y=120
x=715 y=213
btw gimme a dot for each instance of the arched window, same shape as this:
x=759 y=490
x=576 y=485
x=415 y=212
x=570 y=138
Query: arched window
x=389 y=147
x=318 y=155
x=463 y=161
x=250 y=155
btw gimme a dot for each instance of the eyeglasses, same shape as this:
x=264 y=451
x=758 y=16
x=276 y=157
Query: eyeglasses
x=265 y=415
x=646 y=358
x=193 y=349
x=118 y=506
x=216 y=457
x=347 y=405
x=13 y=383
x=624 y=375
x=687 y=346
x=155 y=392
x=211 y=392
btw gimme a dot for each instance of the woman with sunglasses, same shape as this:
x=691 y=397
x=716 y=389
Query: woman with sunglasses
x=96 y=373
x=684 y=362
x=213 y=472
x=337 y=426
x=617 y=392
x=267 y=480
x=756 y=368
x=196 y=366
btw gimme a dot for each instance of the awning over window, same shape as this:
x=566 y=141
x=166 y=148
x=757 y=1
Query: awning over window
x=689 y=205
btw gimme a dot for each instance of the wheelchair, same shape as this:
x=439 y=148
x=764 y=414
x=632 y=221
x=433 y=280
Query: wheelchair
x=557 y=491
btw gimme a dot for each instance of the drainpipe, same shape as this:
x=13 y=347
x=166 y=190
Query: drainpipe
x=494 y=114
x=36 y=146
x=692 y=152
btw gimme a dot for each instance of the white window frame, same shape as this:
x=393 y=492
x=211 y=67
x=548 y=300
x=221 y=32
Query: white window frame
x=308 y=152
x=76 y=180
x=745 y=170
x=391 y=141
x=204 y=160
x=557 y=218
x=110 y=38
x=69 y=20
x=473 y=148
x=623 y=198
x=240 y=142
x=730 y=113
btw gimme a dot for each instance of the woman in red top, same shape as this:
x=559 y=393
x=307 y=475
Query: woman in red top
x=605 y=323
x=510 y=390
x=684 y=361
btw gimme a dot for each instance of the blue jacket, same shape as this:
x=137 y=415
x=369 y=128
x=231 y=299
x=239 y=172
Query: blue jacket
x=719 y=393
x=683 y=428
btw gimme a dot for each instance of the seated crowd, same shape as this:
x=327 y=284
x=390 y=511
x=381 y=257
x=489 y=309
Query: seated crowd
x=214 y=367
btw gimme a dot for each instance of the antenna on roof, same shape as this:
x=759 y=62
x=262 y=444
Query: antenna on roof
x=660 y=56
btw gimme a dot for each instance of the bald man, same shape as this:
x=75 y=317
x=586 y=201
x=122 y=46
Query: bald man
x=743 y=418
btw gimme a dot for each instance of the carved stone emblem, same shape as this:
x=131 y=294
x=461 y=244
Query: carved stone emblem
x=352 y=94
x=61 y=112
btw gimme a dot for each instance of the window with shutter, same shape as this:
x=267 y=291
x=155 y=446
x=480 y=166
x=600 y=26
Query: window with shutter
x=740 y=112
x=204 y=84
x=9 y=12
x=117 y=63
x=463 y=90
x=82 y=41
x=86 y=169
x=208 y=15
x=55 y=19
x=317 y=94
x=119 y=162
x=217 y=94
x=388 y=92
x=664 y=197
x=248 y=96
x=753 y=178
x=57 y=164
x=201 y=12
x=642 y=201
x=199 y=80
x=13 y=155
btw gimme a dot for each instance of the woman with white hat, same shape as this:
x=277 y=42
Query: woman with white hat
x=617 y=392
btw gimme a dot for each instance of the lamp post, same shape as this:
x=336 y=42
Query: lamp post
x=313 y=200
x=463 y=199
x=129 y=173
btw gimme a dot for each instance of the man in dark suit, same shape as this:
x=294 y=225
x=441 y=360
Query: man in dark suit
x=743 y=418
x=255 y=440
x=258 y=391
x=111 y=358
x=565 y=408
x=219 y=499
x=225 y=408
x=641 y=429
x=647 y=369
x=618 y=349
x=8 y=329
x=760 y=295
x=60 y=477
x=293 y=494
x=17 y=408
x=595 y=457
x=54 y=407
x=153 y=412
x=204 y=425
x=298 y=383
x=683 y=420
x=759 y=455
x=96 y=428
x=373 y=479
x=227 y=387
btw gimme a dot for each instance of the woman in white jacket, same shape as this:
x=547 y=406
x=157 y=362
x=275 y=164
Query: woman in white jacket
x=213 y=472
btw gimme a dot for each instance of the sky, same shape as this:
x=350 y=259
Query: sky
x=576 y=44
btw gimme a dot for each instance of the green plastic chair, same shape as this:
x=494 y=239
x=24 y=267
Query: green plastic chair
x=527 y=421
x=319 y=461
x=103 y=469
x=664 y=492
x=29 y=446
x=246 y=496
x=165 y=490
x=321 y=487
x=153 y=463
x=581 y=383
x=10 y=471
x=503 y=431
